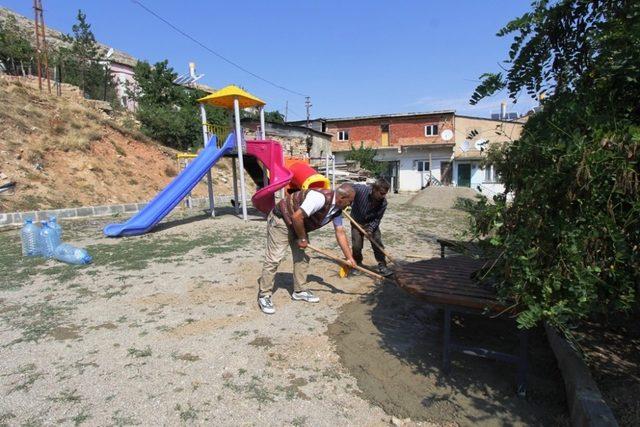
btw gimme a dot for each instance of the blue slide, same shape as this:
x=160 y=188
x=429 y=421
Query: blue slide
x=177 y=190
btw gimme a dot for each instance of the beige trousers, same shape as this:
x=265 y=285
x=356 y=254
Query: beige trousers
x=279 y=236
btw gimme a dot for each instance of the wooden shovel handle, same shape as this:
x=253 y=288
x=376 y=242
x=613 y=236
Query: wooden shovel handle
x=363 y=231
x=345 y=263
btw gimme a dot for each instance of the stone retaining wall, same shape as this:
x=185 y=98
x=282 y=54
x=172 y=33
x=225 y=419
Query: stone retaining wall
x=16 y=218
x=586 y=404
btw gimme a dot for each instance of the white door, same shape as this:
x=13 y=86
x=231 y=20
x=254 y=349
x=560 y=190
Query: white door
x=423 y=170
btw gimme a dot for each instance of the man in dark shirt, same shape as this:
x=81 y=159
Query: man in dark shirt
x=367 y=209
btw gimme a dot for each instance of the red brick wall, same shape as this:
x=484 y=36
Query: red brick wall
x=402 y=131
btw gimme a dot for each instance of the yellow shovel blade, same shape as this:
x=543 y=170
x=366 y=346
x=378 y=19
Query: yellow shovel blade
x=344 y=272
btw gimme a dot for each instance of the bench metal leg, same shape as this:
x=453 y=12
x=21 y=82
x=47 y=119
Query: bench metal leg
x=446 y=350
x=523 y=363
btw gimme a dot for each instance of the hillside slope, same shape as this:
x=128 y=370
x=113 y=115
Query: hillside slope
x=64 y=152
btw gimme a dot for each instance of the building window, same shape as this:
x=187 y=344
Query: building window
x=343 y=135
x=430 y=130
x=422 y=165
x=490 y=174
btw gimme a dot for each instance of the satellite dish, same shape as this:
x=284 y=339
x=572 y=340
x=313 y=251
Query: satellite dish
x=464 y=146
x=447 y=134
x=480 y=144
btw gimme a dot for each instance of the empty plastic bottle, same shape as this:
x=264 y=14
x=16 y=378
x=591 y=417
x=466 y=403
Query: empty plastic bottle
x=29 y=236
x=53 y=223
x=49 y=240
x=72 y=255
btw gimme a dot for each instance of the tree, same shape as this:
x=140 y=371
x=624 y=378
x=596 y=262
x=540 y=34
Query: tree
x=274 y=117
x=16 y=51
x=84 y=65
x=169 y=112
x=365 y=156
x=269 y=116
x=569 y=242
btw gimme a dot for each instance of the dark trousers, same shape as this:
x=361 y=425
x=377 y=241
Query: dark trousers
x=357 y=242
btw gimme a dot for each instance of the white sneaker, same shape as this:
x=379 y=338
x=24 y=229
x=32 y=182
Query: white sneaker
x=307 y=296
x=266 y=305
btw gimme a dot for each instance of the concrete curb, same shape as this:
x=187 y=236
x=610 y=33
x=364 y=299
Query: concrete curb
x=586 y=405
x=17 y=218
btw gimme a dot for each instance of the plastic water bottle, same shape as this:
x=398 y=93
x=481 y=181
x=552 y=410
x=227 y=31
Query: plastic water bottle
x=53 y=223
x=71 y=255
x=29 y=236
x=49 y=240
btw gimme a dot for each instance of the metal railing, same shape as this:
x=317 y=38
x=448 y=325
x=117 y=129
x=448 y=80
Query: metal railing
x=221 y=131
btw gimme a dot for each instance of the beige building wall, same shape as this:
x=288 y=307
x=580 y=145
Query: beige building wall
x=474 y=129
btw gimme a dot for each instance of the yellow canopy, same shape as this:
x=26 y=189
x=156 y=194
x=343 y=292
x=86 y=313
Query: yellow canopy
x=225 y=96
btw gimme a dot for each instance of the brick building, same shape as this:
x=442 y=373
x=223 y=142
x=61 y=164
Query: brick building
x=422 y=149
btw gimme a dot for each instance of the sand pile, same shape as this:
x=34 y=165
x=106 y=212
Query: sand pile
x=441 y=197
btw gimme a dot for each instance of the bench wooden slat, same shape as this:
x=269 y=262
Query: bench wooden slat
x=474 y=290
x=448 y=281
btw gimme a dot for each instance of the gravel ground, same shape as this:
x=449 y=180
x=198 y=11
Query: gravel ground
x=164 y=329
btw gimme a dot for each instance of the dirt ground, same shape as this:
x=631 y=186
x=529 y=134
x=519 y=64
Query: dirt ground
x=612 y=350
x=164 y=329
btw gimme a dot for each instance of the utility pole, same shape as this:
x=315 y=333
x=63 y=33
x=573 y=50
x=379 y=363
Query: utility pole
x=286 y=111
x=307 y=104
x=41 y=45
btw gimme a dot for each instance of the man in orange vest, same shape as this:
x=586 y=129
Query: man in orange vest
x=288 y=224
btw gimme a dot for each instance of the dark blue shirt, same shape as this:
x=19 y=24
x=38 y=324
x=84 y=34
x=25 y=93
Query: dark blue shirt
x=366 y=211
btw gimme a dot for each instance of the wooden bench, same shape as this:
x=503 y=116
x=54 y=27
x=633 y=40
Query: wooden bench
x=459 y=246
x=448 y=283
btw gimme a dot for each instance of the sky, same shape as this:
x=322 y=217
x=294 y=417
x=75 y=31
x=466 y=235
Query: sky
x=353 y=58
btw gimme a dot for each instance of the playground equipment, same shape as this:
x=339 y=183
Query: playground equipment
x=168 y=198
x=265 y=164
x=304 y=177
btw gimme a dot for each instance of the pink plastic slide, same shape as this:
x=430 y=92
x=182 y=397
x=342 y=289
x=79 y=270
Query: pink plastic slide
x=269 y=153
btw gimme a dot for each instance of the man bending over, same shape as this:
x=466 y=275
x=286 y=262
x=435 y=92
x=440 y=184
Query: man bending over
x=288 y=224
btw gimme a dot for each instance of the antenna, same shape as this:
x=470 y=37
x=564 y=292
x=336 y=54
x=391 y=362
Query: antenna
x=479 y=144
x=190 y=78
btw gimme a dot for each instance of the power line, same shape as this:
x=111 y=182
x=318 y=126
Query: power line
x=214 y=52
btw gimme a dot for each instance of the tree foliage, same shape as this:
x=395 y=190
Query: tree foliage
x=83 y=63
x=80 y=62
x=269 y=116
x=15 y=47
x=365 y=156
x=274 y=117
x=569 y=241
x=168 y=112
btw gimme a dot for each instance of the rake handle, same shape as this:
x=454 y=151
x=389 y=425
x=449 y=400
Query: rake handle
x=345 y=263
x=363 y=231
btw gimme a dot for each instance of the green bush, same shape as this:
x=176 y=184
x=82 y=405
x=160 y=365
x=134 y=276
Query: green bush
x=365 y=156
x=569 y=241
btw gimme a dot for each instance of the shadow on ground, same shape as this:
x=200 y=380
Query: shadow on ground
x=392 y=344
